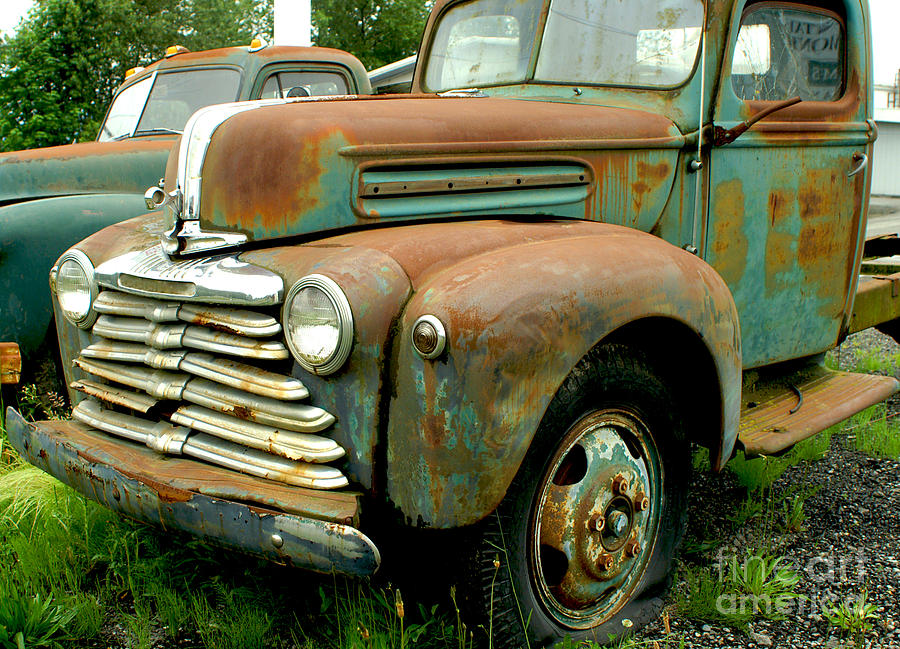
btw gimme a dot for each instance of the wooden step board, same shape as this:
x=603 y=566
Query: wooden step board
x=828 y=397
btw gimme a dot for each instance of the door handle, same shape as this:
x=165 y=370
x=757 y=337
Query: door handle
x=862 y=161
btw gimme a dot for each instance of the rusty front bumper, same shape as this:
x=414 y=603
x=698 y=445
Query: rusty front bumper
x=303 y=527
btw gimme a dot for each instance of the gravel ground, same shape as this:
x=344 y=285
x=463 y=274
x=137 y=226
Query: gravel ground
x=849 y=544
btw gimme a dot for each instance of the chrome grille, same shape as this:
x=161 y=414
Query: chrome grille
x=191 y=379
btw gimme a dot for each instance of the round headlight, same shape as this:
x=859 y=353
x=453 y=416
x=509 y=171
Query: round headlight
x=318 y=324
x=76 y=289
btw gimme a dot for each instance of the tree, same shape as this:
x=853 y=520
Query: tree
x=59 y=71
x=376 y=31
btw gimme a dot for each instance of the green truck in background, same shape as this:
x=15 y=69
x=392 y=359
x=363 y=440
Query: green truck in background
x=53 y=197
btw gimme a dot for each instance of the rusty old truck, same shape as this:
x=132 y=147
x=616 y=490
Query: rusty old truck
x=501 y=309
x=51 y=198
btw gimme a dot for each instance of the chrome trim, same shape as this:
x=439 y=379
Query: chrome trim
x=345 y=322
x=158 y=383
x=263 y=465
x=292 y=445
x=234 y=321
x=223 y=280
x=198 y=133
x=237 y=375
x=245 y=377
x=463 y=92
x=862 y=161
x=156 y=198
x=441 y=337
x=187 y=237
x=137 y=401
x=264 y=410
x=134 y=428
x=176 y=440
x=75 y=255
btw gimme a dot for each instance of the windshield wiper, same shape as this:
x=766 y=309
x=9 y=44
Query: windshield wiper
x=157 y=130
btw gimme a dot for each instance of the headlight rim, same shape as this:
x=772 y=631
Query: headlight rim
x=341 y=304
x=78 y=257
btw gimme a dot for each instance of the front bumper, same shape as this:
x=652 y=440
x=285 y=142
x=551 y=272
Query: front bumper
x=303 y=527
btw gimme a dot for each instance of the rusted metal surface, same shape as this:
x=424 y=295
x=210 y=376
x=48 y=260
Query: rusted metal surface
x=775 y=419
x=877 y=301
x=460 y=426
x=315 y=529
x=244 y=190
x=589 y=522
x=10 y=363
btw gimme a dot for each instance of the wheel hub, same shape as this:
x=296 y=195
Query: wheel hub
x=596 y=517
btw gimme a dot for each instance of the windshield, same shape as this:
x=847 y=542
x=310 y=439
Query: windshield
x=651 y=43
x=166 y=107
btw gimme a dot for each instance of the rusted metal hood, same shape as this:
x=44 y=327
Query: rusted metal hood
x=319 y=165
x=128 y=166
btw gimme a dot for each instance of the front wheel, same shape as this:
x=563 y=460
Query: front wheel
x=582 y=544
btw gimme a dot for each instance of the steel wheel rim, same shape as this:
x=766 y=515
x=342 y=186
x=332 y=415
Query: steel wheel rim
x=606 y=469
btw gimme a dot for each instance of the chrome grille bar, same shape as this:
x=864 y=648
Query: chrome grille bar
x=138 y=402
x=177 y=440
x=172 y=336
x=294 y=446
x=220 y=370
x=234 y=321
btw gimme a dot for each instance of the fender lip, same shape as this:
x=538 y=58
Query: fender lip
x=69 y=451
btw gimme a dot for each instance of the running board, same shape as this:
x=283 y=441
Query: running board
x=776 y=414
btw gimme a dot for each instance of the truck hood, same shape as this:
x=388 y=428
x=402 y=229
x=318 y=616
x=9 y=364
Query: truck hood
x=314 y=166
x=127 y=166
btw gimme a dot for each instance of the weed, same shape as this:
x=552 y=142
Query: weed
x=769 y=585
x=758 y=473
x=736 y=591
x=853 y=616
x=874 y=434
x=34 y=405
x=30 y=620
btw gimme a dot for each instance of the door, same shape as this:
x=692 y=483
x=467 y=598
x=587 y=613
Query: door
x=785 y=198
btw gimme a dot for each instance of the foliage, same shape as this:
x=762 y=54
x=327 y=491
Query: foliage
x=377 y=31
x=58 y=72
x=739 y=589
x=853 y=616
x=30 y=621
x=874 y=434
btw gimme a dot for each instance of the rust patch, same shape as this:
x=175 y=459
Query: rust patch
x=730 y=245
x=242 y=412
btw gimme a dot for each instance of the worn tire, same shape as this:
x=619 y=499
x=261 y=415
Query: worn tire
x=527 y=581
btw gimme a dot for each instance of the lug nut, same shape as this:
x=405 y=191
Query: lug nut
x=632 y=549
x=605 y=562
x=641 y=502
x=597 y=523
x=620 y=485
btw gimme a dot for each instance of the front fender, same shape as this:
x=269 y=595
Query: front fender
x=33 y=235
x=518 y=320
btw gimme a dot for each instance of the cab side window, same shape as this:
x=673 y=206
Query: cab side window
x=786 y=51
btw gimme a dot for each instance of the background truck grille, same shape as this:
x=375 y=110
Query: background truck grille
x=199 y=380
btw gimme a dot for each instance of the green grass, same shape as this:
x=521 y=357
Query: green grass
x=70 y=569
x=874 y=434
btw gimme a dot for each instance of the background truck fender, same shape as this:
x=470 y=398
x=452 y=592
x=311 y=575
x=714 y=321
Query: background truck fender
x=518 y=320
x=33 y=235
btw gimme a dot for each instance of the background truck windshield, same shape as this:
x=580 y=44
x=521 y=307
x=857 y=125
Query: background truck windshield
x=163 y=103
